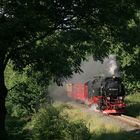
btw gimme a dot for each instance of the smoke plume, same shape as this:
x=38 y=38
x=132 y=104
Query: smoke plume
x=58 y=93
x=93 y=68
x=90 y=69
x=112 y=66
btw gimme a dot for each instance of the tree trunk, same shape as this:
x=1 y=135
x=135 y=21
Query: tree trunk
x=3 y=94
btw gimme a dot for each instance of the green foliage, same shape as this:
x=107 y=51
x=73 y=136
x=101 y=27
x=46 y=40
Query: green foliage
x=27 y=91
x=78 y=131
x=129 y=61
x=14 y=127
x=128 y=52
x=48 y=124
x=85 y=26
x=55 y=36
x=133 y=105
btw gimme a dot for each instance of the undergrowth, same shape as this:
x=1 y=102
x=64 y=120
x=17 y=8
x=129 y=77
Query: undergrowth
x=133 y=105
x=62 y=122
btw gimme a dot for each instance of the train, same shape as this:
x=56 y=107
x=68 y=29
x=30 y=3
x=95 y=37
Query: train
x=102 y=94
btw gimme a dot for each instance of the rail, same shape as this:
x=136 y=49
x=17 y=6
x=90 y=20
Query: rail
x=127 y=119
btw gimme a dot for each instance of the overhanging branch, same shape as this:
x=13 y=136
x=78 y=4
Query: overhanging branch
x=26 y=44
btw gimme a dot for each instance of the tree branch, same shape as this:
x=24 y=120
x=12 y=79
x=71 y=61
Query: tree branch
x=12 y=87
x=33 y=41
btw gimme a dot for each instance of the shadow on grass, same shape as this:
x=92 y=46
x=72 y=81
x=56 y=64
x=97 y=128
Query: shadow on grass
x=131 y=135
x=132 y=109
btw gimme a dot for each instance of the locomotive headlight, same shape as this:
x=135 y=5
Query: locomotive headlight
x=120 y=97
x=108 y=98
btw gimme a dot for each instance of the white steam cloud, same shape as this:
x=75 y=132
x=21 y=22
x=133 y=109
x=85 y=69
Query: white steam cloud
x=112 y=66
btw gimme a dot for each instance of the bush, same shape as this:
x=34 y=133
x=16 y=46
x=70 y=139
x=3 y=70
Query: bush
x=49 y=124
x=78 y=131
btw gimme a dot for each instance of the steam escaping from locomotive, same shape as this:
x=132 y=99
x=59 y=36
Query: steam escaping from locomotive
x=113 y=66
x=57 y=93
x=91 y=68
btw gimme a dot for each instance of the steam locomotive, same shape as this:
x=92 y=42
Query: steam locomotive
x=104 y=94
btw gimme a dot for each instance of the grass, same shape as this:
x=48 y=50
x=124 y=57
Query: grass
x=93 y=123
x=133 y=105
x=99 y=130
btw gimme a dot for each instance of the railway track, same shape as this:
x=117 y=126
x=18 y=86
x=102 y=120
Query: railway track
x=127 y=119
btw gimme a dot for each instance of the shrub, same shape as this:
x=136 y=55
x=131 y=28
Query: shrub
x=49 y=124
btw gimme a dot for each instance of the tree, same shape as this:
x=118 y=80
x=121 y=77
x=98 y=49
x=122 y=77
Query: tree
x=27 y=29
x=129 y=57
x=26 y=91
x=127 y=48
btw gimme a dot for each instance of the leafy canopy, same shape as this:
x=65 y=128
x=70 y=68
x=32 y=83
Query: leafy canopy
x=53 y=36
